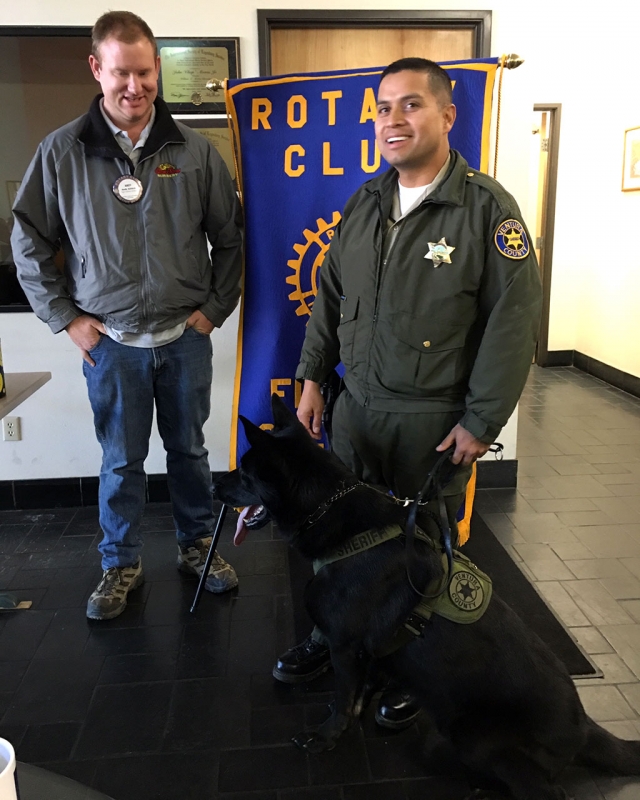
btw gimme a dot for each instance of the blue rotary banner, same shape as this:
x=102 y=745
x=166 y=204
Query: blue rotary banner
x=305 y=144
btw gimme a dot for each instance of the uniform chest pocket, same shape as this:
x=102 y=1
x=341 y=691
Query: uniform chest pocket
x=428 y=357
x=347 y=327
x=428 y=335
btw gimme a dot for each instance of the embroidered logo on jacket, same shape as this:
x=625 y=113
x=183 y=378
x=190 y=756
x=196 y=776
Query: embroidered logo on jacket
x=167 y=171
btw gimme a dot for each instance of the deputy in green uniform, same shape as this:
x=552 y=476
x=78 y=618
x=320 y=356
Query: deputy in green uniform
x=430 y=297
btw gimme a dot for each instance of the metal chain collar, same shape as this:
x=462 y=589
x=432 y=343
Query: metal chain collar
x=326 y=505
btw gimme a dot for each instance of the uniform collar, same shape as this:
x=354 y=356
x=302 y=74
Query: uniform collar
x=450 y=190
x=100 y=141
x=426 y=191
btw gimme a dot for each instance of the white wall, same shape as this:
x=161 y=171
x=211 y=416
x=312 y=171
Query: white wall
x=573 y=55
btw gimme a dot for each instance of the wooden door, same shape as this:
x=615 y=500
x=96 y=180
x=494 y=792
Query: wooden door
x=314 y=41
x=318 y=49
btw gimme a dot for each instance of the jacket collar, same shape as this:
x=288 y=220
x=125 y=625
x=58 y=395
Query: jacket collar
x=100 y=141
x=449 y=191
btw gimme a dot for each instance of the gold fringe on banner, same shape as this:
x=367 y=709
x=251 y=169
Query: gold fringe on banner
x=495 y=155
x=512 y=61
x=464 y=525
x=214 y=86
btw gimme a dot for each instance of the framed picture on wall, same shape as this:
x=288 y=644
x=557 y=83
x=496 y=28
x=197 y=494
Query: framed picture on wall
x=631 y=160
x=185 y=67
x=217 y=132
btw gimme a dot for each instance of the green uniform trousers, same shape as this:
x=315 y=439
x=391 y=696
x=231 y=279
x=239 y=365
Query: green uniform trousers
x=395 y=451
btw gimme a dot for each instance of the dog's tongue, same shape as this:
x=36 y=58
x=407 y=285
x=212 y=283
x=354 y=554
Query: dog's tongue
x=241 y=528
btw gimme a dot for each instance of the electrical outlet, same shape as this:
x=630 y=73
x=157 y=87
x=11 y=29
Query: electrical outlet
x=11 y=429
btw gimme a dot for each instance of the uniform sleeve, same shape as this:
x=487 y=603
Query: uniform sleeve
x=321 y=347
x=510 y=301
x=223 y=226
x=35 y=240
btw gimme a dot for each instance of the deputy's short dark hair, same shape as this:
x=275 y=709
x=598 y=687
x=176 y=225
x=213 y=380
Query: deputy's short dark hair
x=123 y=26
x=439 y=81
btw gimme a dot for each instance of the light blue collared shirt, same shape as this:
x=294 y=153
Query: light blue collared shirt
x=122 y=137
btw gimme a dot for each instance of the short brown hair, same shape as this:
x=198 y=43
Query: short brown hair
x=439 y=80
x=123 y=26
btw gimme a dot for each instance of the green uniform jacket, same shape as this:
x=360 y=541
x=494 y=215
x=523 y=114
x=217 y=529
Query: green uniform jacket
x=413 y=337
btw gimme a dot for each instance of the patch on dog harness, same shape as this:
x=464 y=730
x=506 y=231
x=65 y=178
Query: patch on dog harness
x=358 y=543
x=466 y=591
x=511 y=240
x=467 y=597
x=469 y=590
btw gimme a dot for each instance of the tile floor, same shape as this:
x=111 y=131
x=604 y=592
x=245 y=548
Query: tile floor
x=160 y=705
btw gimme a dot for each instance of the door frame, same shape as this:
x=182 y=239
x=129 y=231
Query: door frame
x=555 y=110
x=269 y=19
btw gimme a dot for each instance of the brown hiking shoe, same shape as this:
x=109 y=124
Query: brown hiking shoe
x=110 y=598
x=222 y=576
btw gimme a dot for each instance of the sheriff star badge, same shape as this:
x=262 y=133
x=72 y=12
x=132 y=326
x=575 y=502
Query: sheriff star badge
x=440 y=252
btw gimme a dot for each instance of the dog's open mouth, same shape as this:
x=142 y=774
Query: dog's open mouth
x=251 y=518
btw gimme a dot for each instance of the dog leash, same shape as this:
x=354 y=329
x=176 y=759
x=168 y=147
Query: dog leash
x=439 y=476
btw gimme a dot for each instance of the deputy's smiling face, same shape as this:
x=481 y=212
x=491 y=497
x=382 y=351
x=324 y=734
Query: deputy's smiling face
x=412 y=124
x=128 y=76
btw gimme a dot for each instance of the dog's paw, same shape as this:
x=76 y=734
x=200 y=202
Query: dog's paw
x=313 y=742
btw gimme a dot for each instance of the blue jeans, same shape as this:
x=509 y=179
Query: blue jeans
x=123 y=387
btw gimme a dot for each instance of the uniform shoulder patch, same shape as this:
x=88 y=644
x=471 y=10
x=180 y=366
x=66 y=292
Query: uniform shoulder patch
x=511 y=240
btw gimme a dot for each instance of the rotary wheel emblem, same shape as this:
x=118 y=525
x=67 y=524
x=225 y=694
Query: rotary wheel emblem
x=306 y=268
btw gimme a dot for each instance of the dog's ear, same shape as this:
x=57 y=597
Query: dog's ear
x=255 y=435
x=282 y=417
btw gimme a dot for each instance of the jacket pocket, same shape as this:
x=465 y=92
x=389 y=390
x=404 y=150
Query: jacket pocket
x=426 y=356
x=197 y=267
x=347 y=327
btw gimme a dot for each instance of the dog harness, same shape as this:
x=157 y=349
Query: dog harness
x=463 y=601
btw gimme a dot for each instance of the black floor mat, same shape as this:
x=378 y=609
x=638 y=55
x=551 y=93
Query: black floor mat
x=515 y=589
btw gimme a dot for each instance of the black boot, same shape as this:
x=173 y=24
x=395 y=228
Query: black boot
x=303 y=662
x=396 y=709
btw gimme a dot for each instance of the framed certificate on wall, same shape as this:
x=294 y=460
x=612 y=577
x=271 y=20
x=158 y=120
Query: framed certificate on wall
x=186 y=65
x=631 y=161
x=217 y=132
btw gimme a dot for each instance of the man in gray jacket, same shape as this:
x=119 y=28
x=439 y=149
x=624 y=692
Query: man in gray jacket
x=132 y=199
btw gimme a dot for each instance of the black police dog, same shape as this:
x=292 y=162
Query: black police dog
x=493 y=688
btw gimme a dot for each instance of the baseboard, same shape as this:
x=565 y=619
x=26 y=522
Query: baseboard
x=616 y=377
x=71 y=492
x=559 y=358
x=611 y=375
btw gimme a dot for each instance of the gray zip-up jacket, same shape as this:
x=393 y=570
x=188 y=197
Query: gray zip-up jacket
x=137 y=267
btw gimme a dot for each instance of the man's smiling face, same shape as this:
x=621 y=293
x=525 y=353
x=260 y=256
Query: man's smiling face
x=128 y=76
x=412 y=125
